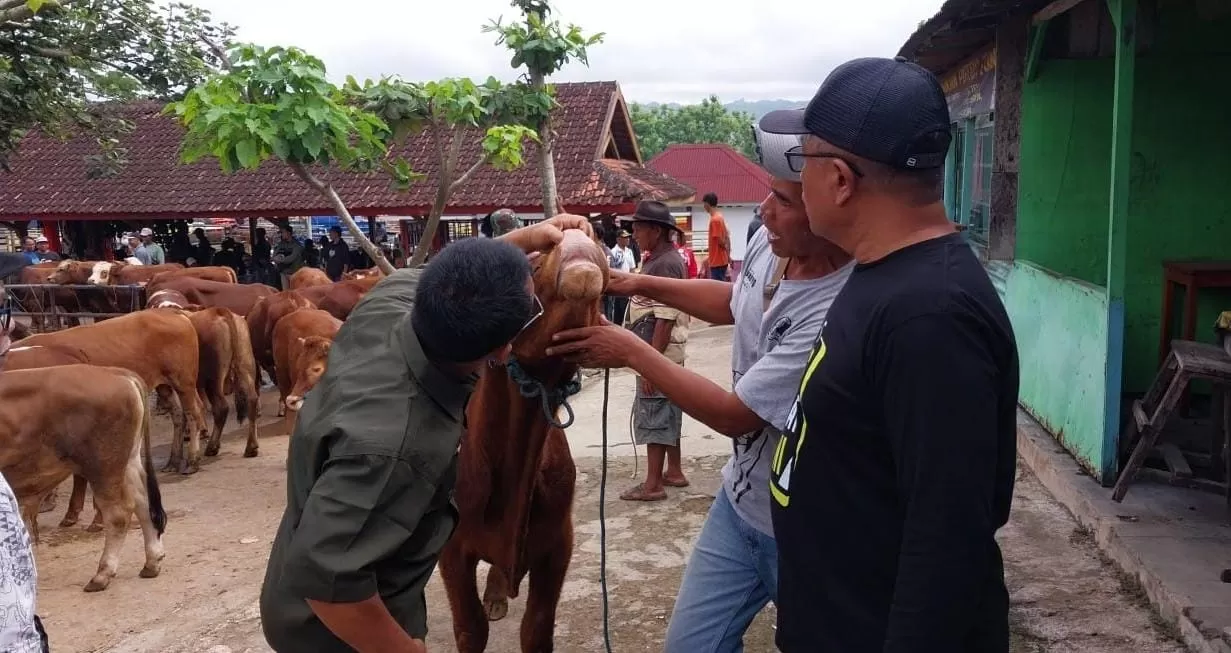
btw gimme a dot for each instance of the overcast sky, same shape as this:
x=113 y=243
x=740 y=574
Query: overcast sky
x=659 y=50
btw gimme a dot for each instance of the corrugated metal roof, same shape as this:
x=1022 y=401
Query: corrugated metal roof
x=714 y=168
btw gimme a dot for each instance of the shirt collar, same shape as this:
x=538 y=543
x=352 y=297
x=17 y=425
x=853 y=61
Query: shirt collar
x=448 y=392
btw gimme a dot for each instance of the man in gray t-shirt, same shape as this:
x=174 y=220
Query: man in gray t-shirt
x=777 y=305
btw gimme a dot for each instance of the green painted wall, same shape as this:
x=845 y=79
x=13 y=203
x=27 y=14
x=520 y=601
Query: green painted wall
x=1061 y=329
x=1180 y=205
x=1062 y=203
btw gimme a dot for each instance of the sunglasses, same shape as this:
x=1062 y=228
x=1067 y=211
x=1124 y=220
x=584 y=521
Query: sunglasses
x=795 y=159
x=538 y=312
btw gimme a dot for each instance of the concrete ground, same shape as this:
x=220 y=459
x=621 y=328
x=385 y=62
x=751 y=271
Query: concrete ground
x=1170 y=545
x=1065 y=597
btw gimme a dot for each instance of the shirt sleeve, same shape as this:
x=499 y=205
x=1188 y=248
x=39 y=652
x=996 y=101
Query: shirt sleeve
x=361 y=511
x=937 y=375
x=769 y=387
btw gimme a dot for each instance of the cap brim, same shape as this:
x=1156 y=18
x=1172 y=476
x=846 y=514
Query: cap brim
x=771 y=152
x=784 y=121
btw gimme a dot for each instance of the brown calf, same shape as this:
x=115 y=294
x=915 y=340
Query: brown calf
x=238 y=298
x=261 y=323
x=219 y=273
x=516 y=476
x=107 y=442
x=308 y=277
x=302 y=341
x=340 y=298
x=159 y=345
x=227 y=368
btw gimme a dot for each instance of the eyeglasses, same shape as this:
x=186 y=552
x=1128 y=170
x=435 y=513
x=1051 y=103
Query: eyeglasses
x=795 y=159
x=538 y=312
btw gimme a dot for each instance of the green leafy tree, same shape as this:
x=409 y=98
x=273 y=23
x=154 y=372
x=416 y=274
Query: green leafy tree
x=278 y=103
x=63 y=61
x=708 y=122
x=543 y=47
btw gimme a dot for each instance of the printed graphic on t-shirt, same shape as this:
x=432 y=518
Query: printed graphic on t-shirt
x=782 y=465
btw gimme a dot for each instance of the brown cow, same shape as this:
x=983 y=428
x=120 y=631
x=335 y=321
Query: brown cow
x=159 y=345
x=227 y=367
x=261 y=323
x=302 y=341
x=516 y=477
x=308 y=277
x=107 y=441
x=170 y=299
x=340 y=298
x=219 y=273
x=238 y=298
x=123 y=296
x=44 y=300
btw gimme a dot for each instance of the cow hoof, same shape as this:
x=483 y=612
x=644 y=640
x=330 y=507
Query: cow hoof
x=496 y=609
x=170 y=467
x=149 y=572
x=190 y=469
x=212 y=450
x=97 y=584
x=251 y=453
x=68 y=521
x=94 y=528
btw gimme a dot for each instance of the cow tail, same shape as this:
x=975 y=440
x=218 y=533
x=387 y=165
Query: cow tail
x=242 y=373
x=158 y=514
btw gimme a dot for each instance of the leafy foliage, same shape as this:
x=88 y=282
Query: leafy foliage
x=542 y=46
x=61 y=61
x=708 y=122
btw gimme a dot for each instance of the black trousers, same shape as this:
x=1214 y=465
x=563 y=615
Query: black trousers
x=38 y=626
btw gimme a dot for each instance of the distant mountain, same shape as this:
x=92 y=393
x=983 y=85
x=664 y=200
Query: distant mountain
x=757 y=108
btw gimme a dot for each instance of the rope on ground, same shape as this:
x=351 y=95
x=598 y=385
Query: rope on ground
x=602 y=515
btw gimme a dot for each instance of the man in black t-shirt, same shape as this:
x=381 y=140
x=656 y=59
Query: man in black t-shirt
x=898 y=463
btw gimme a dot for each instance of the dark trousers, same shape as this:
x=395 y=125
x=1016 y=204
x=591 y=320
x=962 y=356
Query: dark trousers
x=38 y=627
x=614 y=309
x=718 y=273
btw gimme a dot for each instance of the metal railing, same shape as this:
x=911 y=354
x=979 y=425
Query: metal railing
x=43 y=300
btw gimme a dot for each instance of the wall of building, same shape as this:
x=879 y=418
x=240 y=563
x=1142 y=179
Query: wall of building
x=1064 y=177
x=738 y=217
x=1180 y=205
x=1061 y=329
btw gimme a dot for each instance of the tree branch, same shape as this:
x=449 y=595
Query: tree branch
x=17 y=11
x=461 y=181
x=330 y=194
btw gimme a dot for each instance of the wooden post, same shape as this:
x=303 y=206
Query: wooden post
x=1124 y=15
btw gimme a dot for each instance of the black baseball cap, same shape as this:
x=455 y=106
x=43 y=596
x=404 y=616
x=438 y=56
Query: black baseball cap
x=890 y=111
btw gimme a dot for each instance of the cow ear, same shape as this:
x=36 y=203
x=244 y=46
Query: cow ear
x=302 y=340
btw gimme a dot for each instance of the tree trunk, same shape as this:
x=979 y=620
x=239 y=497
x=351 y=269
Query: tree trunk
x=330 y=194
x=547 y=162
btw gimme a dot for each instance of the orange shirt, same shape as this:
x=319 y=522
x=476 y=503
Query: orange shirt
x=719 y=237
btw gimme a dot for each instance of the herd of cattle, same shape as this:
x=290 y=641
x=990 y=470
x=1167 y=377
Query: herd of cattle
x=77 y=401
x=203 y=337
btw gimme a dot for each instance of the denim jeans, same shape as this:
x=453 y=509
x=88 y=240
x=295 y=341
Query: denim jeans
x=731 y=575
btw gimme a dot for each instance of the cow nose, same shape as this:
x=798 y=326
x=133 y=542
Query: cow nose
x=294 y=402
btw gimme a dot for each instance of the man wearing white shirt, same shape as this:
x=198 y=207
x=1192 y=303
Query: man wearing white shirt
x=624 y=260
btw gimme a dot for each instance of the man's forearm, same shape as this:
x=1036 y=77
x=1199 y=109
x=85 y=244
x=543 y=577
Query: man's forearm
x=366 y=626
x=701 y=298
x=704 y=400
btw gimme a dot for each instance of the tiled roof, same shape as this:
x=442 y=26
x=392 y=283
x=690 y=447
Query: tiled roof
x=49 y=180
x=714 y=168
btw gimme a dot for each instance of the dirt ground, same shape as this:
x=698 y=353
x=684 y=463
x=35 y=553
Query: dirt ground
x=221 y=521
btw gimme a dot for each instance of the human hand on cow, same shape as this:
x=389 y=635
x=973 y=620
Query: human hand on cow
x=623 y=284
x=544 y=235
x=596 y=347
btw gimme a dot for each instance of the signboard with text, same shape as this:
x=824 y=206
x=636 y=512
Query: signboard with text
x=970 y=89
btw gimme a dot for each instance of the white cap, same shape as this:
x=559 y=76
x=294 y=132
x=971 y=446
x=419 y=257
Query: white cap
x=771 y=152
x=147 y=232
x=41 y=239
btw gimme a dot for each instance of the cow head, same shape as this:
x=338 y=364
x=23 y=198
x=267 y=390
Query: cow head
x=569 y=281
x=102 y=273
x=71 y=272
x=315 y=353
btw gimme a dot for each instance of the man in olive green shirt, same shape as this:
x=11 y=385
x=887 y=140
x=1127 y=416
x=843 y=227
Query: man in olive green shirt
x=372 y=461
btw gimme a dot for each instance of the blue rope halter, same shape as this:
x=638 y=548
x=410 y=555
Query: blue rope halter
x=553 y=398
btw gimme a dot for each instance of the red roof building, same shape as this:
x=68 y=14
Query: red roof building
x=598 y=170
x=740 y=185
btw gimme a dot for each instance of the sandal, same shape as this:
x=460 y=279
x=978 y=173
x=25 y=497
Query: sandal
x=638 y=493
x=671 y=482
